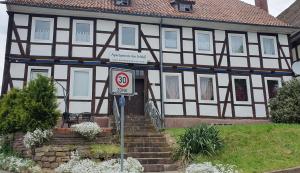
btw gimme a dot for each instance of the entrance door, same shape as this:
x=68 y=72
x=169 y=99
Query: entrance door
x=135 y=104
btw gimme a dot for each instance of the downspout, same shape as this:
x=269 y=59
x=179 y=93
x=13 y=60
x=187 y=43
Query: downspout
x=161 y=75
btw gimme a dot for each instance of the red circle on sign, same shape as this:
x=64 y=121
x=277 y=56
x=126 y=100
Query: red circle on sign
x=121 y=83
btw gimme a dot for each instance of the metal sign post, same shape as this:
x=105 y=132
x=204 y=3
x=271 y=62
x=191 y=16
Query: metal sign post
x=122 y=104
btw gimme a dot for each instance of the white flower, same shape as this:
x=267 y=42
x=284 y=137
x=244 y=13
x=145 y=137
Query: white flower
x=87 y=129
x=208 y=167
x=36 y=138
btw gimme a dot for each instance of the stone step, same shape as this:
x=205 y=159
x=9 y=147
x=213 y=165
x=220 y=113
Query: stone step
x=159 y=167
x=149 y=154
x=143 y=134
x=147 y=144
x=155 y=160
x=145 y=139
x=149 y=149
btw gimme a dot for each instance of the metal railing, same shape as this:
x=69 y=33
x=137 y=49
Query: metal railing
x=154 y=114
x=116 y=114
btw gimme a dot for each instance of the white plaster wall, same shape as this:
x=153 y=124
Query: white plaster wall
x=101 y=73
x=99 y=88
x=253 y=50
x=18 y=84
x=284 y=63
x=255 y=62
x=60 y=72
x=223 y=79
x=228 y=112
x=187 y=32
x=224 y=60
x=62 y=36
x=260 y=110
x=188 y=45
x=205 y=60
x=252 y=37
x=243 y=111
x=188 y=58
x=238 y=62
x=173 y=58
x=61 y=105
x=148 y=29
x=258 y=95
x=294 y=54
x=153 y=76
x=62 y=50
x=104 y=107
x=21 y=19
x=191 y=108
x=286 y=51
x=59 y=88
x=222 y=93
x=287 y=78
x=270 y=63
x=189 y=77
x=103 y=37
x=256 y=81
x=219 y=35
x=298 y=48
x=78 y=107
x=63 y=22
x=208 y=110
x=153 y=42
x=283 y=39
x=17 y=70
x=219 y=47
x=106 y=25
x=173 y=109
x=156 y=92
x=82 y=52
x=22 y=34
x=106 y=52
x=40 y=50
x=190 y=93
x=15 y=48
x=150 y=57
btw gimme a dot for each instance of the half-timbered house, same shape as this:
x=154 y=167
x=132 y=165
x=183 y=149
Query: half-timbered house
x=205 y=59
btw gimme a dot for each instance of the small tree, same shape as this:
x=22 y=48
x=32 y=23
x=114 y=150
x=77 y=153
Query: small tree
x=285 y=107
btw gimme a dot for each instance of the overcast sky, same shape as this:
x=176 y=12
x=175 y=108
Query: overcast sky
x=275 y=7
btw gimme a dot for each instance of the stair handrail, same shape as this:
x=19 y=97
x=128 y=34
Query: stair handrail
x=154 y=114
x=116 y=114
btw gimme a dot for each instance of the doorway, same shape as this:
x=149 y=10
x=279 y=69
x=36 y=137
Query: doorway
x=135 y=104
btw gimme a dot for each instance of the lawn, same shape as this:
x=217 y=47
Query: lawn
x=256 y=148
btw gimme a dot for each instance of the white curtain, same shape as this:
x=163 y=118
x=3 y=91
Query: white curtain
x=128 y=36
x=206 y=86
x=83 y=32
x=172 y=87
x=170 y=39
x=237 y=45
x=35 y=72
x=42 y=30
x=81 y=83
x=269 y=48
x=203 y=42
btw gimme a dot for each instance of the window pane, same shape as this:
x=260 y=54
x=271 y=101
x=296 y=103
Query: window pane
x=269 y=48
x=241 y=90
x=185 y=7
x=171 y=39
x=35 y=72
x=272 y=88
x=206 y=87
x=237 y=45
x=81 y=83
x=204 y=42
x=42 y=30
x=172 y=87
x=128 y=36
x=83 y=32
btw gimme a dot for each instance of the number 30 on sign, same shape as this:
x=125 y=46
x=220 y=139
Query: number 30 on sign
x=121 y=82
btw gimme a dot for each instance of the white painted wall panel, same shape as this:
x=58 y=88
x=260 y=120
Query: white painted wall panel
x=205 y=60
x=294 y=54
x=153 y=42
x=21 y=19
x=106 y=25
x=260 y=110
x=188 y=45
x=106 y=52
x=99 y=88
x=188 y=58
x=82 y=52
x=253 y=50
x=219 y=35
x=60 y=72
x=191 y=108
x=255 y=62
x=286 y=51
x=256 y=81
x=219 y=47
x=283 y=39
x=61 y=105
x=224 y=60
x=243 y=111
x=60 y=88
x=287 y=78
x=17 y=70
x=270 y=63
x=102 y=39
x=173 y=109
x=258 y=95
x=284 y=63
x=152 y=30
x=78 y=107
x=150 y=57
x=18 y=84
x=223 y=79
x=238 y=62
x=15 y=48
x=190 y=93
x=228 y=112
x=173 y=58
x=156 y=91
x=62 y=50
x=222 y=92
x=63 y=22
x=62 y=36
x=208 y=110
x=22 y=34
x=187 y=32
x=40 y=50
x=252 y=37
x=104 y=107
x=189 y=77
x=101 y=73
x=153 y=76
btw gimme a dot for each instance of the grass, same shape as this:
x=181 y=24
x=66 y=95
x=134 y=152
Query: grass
x=103 y=149
x=255 y=148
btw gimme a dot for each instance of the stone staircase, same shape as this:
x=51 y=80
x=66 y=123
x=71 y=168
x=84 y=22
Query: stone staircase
x=147 y=145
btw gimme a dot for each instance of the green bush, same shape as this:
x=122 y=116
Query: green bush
x=30 y=108
x=285 y=107
x=203 y=139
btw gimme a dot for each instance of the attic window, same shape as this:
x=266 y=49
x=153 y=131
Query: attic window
x=185 y=7
x=122 y=2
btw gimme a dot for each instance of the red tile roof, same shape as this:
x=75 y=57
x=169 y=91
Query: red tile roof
x=234 y=11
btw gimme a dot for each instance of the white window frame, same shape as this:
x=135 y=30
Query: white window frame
x=263 y=48
x=180 y=87
x=214 y=88
x=248 y=90
x=30 y=68
x=178 y=39
x=244 y=44
x=33 y=39
x=266 y=84
x=91 y=23
x=121 y=25
x=210 y=40
x=89 y=70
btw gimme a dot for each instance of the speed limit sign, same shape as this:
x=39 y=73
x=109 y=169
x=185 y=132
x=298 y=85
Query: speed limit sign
x=121 y=81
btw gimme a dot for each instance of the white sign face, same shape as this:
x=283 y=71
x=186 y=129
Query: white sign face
x=296 y=68
x=122 y=82
x=128 y=57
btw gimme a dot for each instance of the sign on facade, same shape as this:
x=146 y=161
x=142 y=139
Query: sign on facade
x=122 y=82
x=128 y=57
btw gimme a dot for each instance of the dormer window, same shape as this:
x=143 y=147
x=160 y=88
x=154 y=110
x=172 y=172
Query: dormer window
x=122 y=2
x=185 y=7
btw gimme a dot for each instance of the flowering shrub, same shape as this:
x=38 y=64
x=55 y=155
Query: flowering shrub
x=87 y=129
x=208 y=167
x=18 y=165
x=36 y=138
x=75 y=165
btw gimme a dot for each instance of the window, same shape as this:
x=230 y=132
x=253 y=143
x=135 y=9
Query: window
x=34 y=71
x=122 y=2
x=171 y=39
x=42 y=30
x=272 y=86
x=173 y=88
x=82 y=32
x=81 y=83
x=185 y=7
x=207 y=88
x=269 y=46
x=237 y=44
x=128 y=36
x=204 y=42
x=241 y=90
